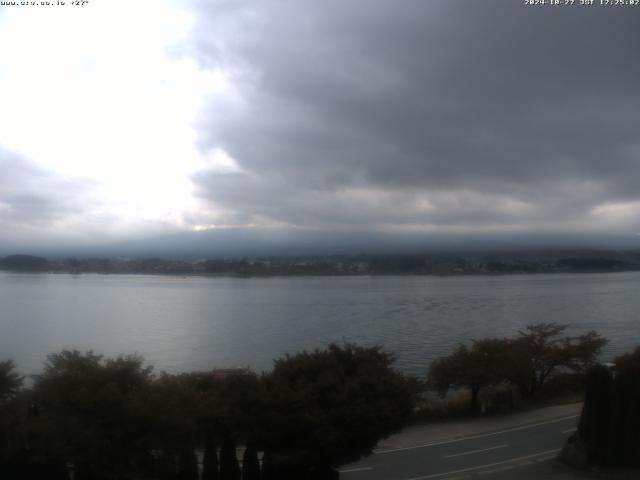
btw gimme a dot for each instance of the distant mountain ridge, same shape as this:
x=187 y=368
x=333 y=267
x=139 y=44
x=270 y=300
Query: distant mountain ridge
x=252 y=242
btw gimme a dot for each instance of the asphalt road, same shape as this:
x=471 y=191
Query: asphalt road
x=482 y=455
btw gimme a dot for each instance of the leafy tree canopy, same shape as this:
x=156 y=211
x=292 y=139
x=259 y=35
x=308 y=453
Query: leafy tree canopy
x=482 y=364
x=629 y=361
x=527 y=361
x=94 y=411
x=330 y=407
x=542 y=349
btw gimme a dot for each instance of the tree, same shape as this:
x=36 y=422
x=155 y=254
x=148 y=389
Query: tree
x=609 y=428
x=234 y=402
x=250 y=464
x=24 y=263
x=229 y=468
x=173 y=413
x=628 y=361
x=331 y=407
x=483 y=364
x=166 y=466
x=94 y=413
x=11 y=422
x=527 y=361
x=624 y=437
x=187 y=464
x=595 y=420
x=210 y=459
x=10 y=381
x=542 y=351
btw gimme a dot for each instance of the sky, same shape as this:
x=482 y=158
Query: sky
x=130 y=119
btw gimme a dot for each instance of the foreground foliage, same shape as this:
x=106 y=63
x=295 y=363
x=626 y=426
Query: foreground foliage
x=609 y=428
x=329 y=408
x=526 y=362
x=107 y=419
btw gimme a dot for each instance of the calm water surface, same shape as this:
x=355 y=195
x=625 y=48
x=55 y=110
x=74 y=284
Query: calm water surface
x=192 y=323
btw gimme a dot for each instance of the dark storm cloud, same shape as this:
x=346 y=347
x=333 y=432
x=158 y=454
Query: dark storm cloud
x=440 y=113
x=33 y=197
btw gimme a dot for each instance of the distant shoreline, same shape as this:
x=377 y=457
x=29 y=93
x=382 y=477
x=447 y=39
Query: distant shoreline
x=440 y=265
x=314 y=275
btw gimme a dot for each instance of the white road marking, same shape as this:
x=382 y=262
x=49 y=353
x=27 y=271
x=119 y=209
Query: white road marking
x=569 y=430
x=496 y=470
x=472 y=437
x=544 y=459
x=453 y=472
x=476 y=451
x=360 y=469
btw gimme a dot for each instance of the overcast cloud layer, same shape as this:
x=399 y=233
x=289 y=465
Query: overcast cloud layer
x=31 y=196
x=436 y=116
x=460 y=116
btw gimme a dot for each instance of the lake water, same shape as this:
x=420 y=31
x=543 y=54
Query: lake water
x=191 y=323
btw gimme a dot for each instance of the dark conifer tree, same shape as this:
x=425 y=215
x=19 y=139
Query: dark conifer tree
x=594 y=426
x=229 y=468
x=187 y=464
x=250 y=463
x=210 y=460
x=610 y=421
x=167 y=469
x=53 y=468
x=623 y=447
x=267 y=467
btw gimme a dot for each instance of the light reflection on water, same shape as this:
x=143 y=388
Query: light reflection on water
x=198 y=323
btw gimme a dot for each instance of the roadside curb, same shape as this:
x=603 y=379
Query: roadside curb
x=430 y=434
